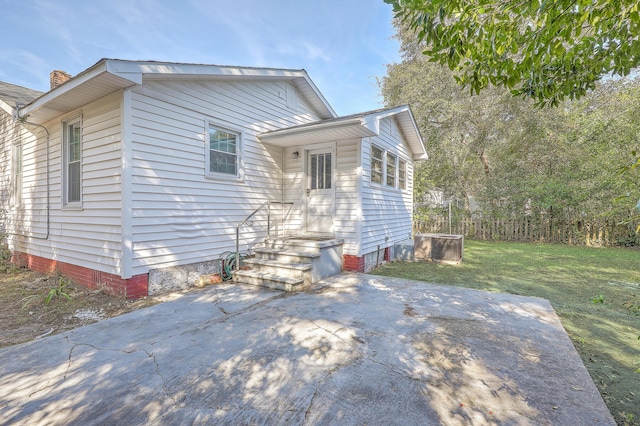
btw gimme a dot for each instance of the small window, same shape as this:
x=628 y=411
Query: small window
x=72 y=158
x=223 y=152
x=391 y=169
x=17 y=173
x=402 y=174
x=376 y=164
x=320 y=171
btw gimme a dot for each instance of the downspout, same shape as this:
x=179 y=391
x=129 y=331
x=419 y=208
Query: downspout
x=23 y=120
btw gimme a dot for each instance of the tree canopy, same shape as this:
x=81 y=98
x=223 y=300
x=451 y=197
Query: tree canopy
x=581 y=159
x=547 y=50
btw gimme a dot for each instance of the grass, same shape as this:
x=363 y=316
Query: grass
x=595 y=292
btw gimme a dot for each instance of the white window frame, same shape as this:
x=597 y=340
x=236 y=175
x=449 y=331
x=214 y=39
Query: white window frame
x=66 y=164
x=17 y=172
x=402 y=174
x=399 y=182
x=382 y=166
x=212 y=125
x=391 y=169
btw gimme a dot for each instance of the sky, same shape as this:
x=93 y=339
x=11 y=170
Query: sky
x=344 y=45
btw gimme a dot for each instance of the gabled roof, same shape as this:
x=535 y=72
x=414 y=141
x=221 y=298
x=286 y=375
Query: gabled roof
x=12 y=95
x=364 y=124
x=109 y=75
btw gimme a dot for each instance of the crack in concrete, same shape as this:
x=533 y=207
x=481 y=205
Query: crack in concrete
x=123 y=351
x=228 y=315
x=329 y=373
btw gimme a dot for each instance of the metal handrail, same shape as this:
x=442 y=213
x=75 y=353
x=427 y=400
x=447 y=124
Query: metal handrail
x=246 y=219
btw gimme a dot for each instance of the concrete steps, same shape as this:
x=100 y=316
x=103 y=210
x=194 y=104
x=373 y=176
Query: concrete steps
x=293 y=263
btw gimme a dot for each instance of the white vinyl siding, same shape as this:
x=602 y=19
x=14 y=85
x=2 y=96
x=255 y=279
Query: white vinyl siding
x=348 y=208
x=386 y=210
x=90 y=237
x=178 y=215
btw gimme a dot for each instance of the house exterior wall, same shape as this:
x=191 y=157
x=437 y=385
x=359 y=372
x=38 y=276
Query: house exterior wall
x=386 y=211
x=88 y=236
x=348 y=218
x=293 y=181
x=347 y=215
x=180 y=216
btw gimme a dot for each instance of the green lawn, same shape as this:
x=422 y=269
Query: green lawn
x=595 y=291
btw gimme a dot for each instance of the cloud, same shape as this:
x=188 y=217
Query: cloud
x=303 y=50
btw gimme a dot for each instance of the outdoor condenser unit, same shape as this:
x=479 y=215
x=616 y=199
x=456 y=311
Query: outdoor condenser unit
x=443 y=248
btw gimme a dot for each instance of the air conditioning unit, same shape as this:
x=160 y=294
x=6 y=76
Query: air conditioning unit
x=441 y=248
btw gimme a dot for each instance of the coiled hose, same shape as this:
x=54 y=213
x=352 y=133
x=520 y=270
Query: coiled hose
x=228 y=263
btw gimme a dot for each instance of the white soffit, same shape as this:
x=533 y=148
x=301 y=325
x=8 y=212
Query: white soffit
x=317 y=133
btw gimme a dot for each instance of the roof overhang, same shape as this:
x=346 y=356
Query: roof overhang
x=407 y=125
x=110 y=75
x=363 y=125
x=94 y=83
x=318 y=132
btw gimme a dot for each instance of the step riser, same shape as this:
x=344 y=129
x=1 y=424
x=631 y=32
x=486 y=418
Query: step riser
x=284 y=257
x=283 y=272
x=301 y=245
x=269 y=283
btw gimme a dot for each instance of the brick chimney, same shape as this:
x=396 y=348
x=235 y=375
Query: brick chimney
x=57 y=77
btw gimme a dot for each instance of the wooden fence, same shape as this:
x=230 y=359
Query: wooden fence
x=591 y=232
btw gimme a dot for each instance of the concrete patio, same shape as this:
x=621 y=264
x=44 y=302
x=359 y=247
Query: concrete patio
x=354 y=349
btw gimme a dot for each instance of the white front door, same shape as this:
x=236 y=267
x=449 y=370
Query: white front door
x=320 y=191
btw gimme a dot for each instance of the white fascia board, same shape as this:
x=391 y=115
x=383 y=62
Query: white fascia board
x=165 y=70
x=319 y=94
x=7 y=108
x=80 y=79
x=310 y=127
x=373 y=122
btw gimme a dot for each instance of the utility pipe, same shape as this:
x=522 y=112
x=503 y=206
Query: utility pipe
x=23 y=120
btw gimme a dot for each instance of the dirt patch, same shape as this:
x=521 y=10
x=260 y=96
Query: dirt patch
x=26 y=315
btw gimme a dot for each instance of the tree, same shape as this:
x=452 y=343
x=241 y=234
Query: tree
x=547 y=50
x=467 y=136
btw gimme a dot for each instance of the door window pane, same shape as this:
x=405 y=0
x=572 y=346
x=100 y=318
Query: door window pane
x=320 y=171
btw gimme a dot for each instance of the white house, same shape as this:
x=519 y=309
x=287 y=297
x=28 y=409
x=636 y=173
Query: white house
x=134 y=175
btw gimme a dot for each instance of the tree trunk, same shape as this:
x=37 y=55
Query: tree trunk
x=484 y=161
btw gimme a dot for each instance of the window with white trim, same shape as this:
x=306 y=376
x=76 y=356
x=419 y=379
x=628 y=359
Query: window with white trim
x=391 y=169
x=402 y=174
x=388 y=168
x=17 y=172
x=376 y=164
x=72 y=161
x=223 y=149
